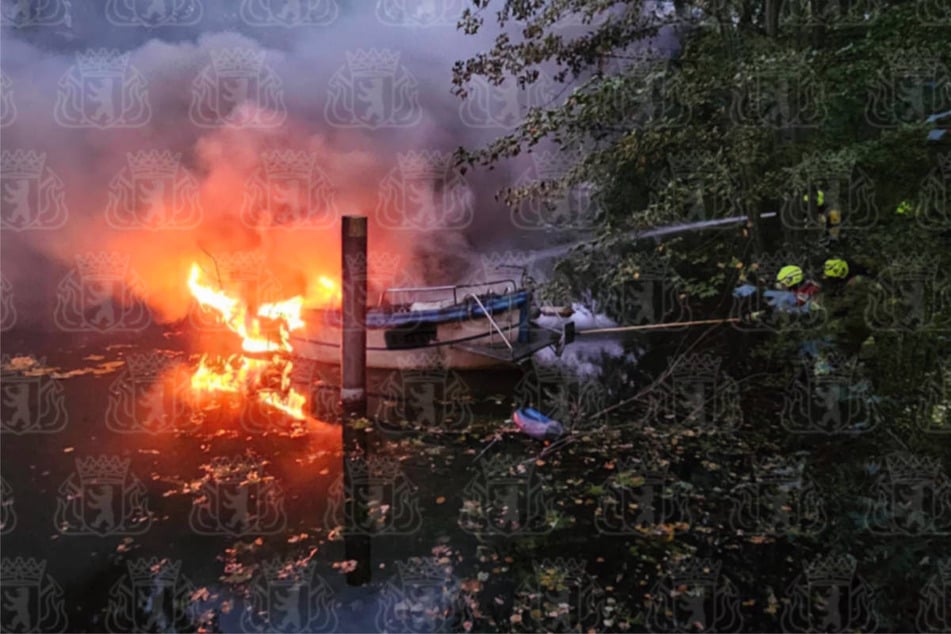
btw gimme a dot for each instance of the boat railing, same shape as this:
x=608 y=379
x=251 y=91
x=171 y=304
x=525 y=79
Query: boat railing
x=455 y=289
x=488 y=316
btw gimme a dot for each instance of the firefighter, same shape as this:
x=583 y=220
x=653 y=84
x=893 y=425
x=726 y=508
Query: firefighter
x=794 y=294
x=830 y=217
x=838 y=273
x=831 y=220
x=791 y=279
x=845 y=296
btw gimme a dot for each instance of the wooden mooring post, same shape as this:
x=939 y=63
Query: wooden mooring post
x=353 y=394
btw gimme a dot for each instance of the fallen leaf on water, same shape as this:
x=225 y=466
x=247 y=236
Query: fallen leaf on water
x=347 y=566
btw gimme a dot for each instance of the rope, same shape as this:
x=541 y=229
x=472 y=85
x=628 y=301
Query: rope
x=700 y=322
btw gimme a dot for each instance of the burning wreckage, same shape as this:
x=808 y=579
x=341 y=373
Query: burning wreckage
x=471 y=326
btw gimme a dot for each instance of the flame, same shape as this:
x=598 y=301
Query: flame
x=268 y=379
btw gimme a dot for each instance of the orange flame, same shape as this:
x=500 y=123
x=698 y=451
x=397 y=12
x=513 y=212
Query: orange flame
x=268 y=380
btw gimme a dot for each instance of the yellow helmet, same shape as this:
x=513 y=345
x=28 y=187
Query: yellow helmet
x=789 y=276
x=835 y=216
x=835 y=268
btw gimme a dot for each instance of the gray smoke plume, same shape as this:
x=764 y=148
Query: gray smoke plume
x=100 y=98
x=102 y=107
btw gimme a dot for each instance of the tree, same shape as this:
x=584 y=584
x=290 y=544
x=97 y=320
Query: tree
x=736 y=107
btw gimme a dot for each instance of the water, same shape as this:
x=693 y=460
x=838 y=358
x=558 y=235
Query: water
x=230 y=520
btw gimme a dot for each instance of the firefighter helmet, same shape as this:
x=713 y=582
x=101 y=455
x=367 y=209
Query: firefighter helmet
x=789 y=276
x=835 y=268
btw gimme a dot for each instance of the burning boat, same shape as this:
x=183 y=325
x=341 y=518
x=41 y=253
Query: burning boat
x=461 y=326
x=465 y=326
x=263 y=367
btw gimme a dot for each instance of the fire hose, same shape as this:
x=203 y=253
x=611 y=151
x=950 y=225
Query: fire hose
x=679 y=324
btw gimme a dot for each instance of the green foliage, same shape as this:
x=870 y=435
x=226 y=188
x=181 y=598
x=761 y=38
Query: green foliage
x=757 y=105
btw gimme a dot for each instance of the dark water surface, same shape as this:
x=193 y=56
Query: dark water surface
x=128 y=508
x=230 y=519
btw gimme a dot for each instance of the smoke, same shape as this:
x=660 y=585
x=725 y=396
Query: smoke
x=264 y=124
x=357 y=144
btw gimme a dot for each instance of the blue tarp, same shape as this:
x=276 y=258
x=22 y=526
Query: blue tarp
x=381 y=318
x=784 y=301
x=744 y=290
x=939 y=134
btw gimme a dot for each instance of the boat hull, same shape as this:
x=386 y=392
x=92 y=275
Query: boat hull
x=320 y=341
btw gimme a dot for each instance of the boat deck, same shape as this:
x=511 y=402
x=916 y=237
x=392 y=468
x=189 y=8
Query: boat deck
x=514 y=351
